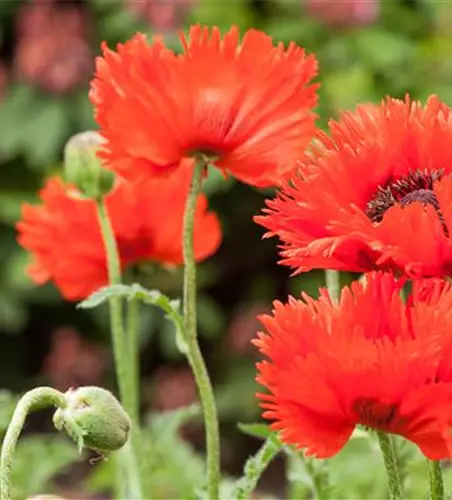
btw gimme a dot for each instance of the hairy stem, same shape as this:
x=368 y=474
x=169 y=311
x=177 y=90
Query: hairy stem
x=390 y=461
x=436 y=480
x=254 y=468
x=133 y=351
x=36 y=399
x=125 y=369
x=190 y=331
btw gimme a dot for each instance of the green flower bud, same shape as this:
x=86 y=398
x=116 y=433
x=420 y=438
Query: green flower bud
x=83 y=168
x=94 y=419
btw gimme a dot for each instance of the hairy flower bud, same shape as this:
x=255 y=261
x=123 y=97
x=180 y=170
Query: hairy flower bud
x=94 y=419
x=82 y=166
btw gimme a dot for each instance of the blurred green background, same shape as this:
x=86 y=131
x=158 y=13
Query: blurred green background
x=367 y=49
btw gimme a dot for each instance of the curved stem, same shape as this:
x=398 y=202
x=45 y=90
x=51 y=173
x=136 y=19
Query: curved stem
x=190 y=330
x=389 y=458
x=125 y=372
x=333 y=283
x=436 y=480
x=36 y=399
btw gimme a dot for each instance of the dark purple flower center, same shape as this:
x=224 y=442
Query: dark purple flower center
x=375 y=414
x=414 y=187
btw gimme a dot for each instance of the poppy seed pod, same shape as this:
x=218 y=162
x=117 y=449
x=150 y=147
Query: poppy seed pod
x=83 y=168
x=94 y=419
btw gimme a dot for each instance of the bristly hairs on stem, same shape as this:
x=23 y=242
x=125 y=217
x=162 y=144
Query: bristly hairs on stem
x=190 y=332
x=126 y=369
x=436 y=480
x=390 y=462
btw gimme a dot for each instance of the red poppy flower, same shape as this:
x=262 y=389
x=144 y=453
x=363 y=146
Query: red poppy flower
x=378 y=193
x=369 y=359
x=64 y=238
x=247 y=105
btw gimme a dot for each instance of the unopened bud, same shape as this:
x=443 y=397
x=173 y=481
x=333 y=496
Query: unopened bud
x=82 y=166
x=94 y=419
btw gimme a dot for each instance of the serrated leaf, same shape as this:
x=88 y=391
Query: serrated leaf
x=49 y=456
x=260 y=431
x=177 y=471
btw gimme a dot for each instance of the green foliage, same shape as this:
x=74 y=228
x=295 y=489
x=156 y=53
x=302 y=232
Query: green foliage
x=177 y=470
x=406 y=50
x=36 y=462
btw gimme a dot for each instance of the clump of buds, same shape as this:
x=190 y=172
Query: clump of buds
x=83 y=167
x=94 y=419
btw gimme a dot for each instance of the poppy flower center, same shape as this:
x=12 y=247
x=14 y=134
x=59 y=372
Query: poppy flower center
x=133 y=250
x=415 y=186
x=373 y=413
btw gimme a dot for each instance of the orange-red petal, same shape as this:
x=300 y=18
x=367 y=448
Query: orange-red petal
x=64 y=238
x=321 y=217
x=248 y=103
x=370 y=360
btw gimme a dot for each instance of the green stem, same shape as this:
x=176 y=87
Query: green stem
x=333 y=283
x=190 y=330
x=124 y=369
x=254 y=468
x=133 y=352
x=36 y=399
x=389 y=458
x=296 y=489
x=436 y=480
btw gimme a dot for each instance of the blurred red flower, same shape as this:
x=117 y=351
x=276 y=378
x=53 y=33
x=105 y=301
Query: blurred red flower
x=53 y=50
x=72 y=361
x=344 y=12
x=4 y=79
x=173 y=388
x=369 y=360
x=162 y=15
x=64 y=238
x=247 y=104
x=243 y=327
x=377 y=194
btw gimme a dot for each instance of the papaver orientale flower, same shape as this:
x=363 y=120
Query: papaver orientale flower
x=368 y=359
x=374 y=194
x=245 y=105
x=64 y=237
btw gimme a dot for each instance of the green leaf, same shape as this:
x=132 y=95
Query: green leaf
x=177 y=471
x=385 y=50
x=260 y=431
x=45 y=133
x=16 y=106
x=37 y=460
x=171 y=308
